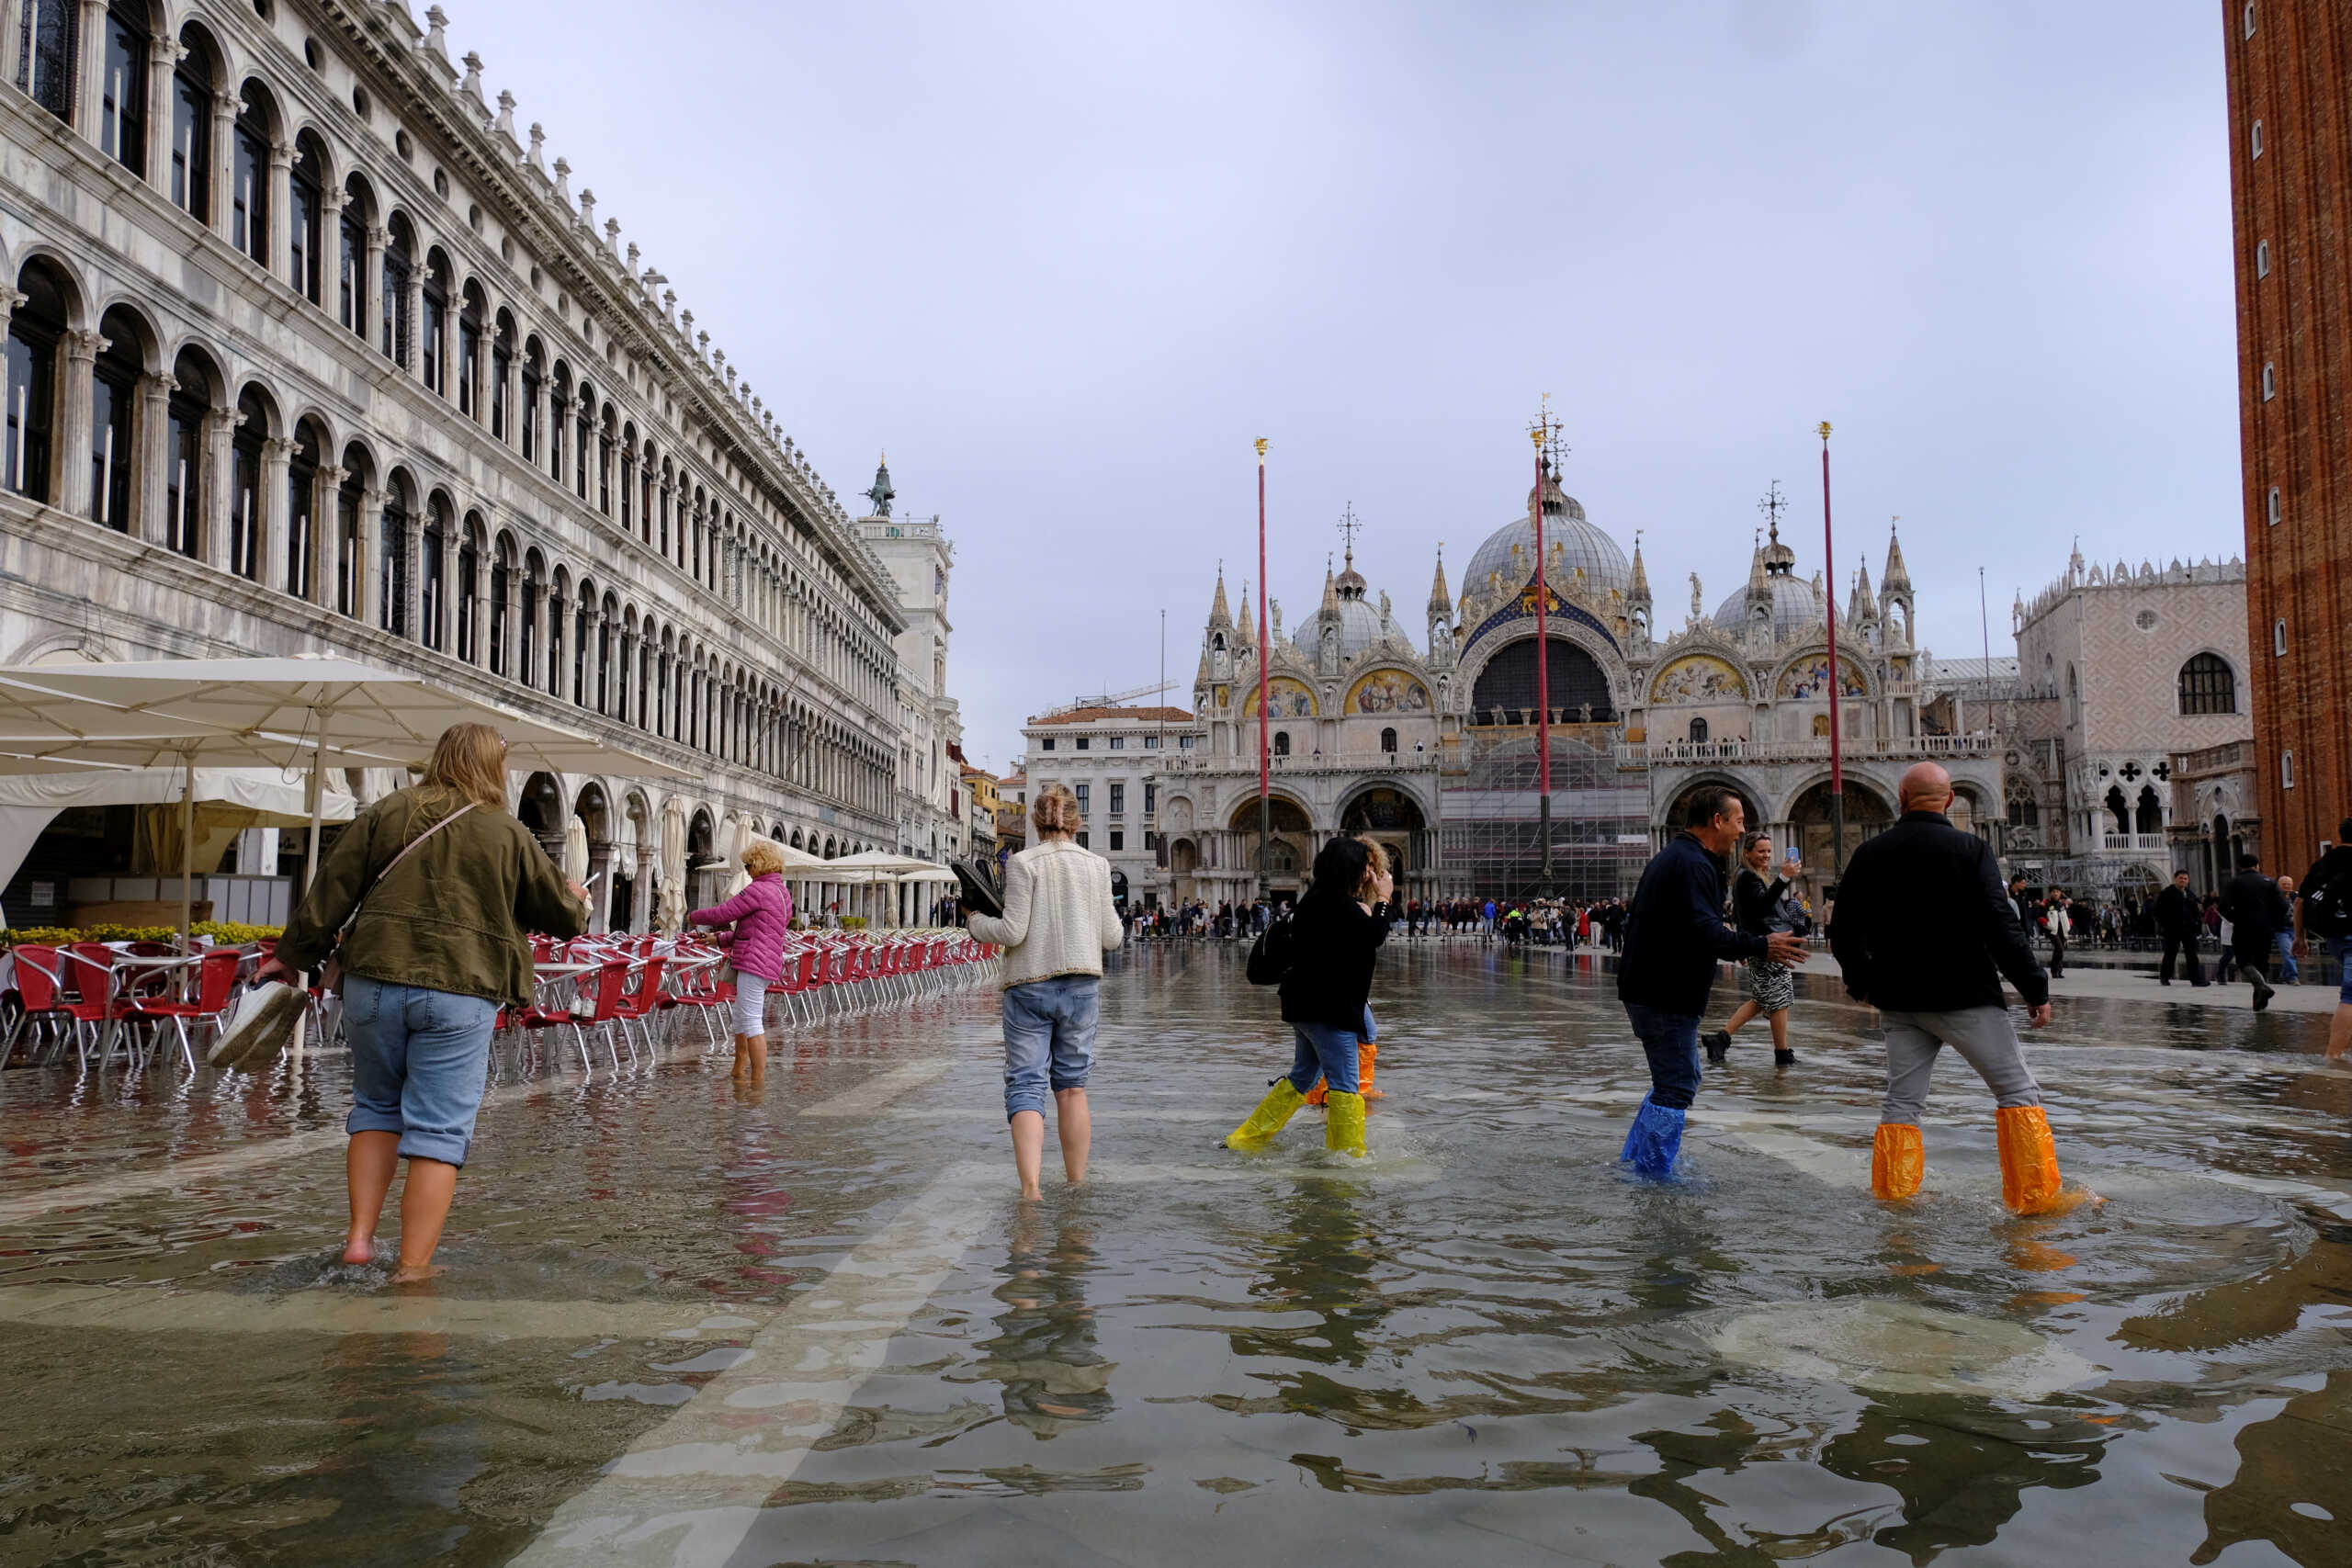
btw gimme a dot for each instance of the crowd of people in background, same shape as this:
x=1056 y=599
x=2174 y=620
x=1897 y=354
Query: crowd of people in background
x=1541 y=922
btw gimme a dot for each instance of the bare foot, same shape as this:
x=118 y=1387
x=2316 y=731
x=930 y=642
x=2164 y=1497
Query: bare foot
x=1032 y=1194
x=412 y=1273
x=359 y=1250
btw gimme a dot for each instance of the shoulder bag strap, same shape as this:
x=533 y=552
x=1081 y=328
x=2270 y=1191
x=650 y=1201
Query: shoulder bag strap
x=406 y=850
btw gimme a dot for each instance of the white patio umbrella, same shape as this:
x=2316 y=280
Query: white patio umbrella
x=739 y=878
x=575 y=850
x=269 y=712
x=227 y=799
x=672 y=911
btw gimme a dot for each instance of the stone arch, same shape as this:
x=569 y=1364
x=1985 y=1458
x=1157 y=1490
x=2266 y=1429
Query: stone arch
x=1751 y=799
x=1867 y=809
x=1504 y=677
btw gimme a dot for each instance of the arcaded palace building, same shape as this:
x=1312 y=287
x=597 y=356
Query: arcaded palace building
x=1429 y=743
x=312 y=349
x=2129 y=739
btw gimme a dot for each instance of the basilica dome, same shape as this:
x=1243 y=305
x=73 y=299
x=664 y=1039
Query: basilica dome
x=1793 y=608
x=1510 y=551
x=1359 y=628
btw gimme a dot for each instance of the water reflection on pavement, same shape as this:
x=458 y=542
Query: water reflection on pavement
x=681 y=1328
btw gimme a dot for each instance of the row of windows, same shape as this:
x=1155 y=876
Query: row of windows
x=216 y=488
x=1085 y=795
x=421 y=318
x=1117 y=742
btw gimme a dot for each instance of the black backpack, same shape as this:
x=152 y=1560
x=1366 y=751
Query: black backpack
x=1270 y=955
x=2327 y=908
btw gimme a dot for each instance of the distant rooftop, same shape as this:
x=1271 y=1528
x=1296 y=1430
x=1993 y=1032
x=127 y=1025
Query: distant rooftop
x=1956 y=669
x=1132 y=716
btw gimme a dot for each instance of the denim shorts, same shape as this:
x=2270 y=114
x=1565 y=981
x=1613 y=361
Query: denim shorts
x=419 y=1061
x=2342 y=947
x=1048 y=1038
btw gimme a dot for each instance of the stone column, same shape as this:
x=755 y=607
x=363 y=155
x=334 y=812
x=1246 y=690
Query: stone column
x=327 y=534
x=413 y=594
x=415 y=311
x=331 y=200
x=542 y=406
x=371 y=308
x=642 y=892
x=212 y=508
x=484 y=562
x=162 y=57
x=90 y=84
x=74 y=427
x=150 y=486
x=276 y=519
x=281 y=212
x=370 y=546
x=224 y=122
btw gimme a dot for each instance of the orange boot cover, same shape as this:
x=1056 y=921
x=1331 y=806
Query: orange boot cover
x=2029 y=1183
x=1366 y=1052
x=1314 y=1096
x=1897 y=1158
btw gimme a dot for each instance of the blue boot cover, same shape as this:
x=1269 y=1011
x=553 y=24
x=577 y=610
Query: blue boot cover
x=1654 y=1142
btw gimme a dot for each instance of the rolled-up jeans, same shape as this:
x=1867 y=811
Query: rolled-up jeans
x=1671 y=1039
x=1327 y=1053
x=1048 y=1038
x=420 y=1060
x=751 y=1005
x=1984 y=1036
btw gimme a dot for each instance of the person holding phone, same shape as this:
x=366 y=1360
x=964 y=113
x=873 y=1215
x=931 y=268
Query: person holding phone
x=1760 y=909
x=760 y=916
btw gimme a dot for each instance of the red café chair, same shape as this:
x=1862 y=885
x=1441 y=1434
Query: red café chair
x=40 y=993
x=216 y=986
x=641 y=1002
x=87 y=970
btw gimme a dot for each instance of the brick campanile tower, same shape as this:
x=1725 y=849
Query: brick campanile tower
x=2289 y=67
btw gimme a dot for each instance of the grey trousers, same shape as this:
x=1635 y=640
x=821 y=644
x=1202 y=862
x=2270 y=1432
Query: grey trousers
x=1983 y=1035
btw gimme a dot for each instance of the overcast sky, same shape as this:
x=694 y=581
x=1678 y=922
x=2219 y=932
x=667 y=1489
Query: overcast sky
x=1065 y=262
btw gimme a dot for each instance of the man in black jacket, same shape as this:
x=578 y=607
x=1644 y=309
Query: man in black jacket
x=1675 y=936
x=2177 y=924
x=1925 y=935
x=2257 y=913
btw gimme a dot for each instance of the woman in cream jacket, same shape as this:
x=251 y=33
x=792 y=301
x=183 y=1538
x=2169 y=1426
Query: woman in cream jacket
x=1059 y=921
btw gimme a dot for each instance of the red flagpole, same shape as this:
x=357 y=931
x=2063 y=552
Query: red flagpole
x=1265 y=655
x=1837 y=675
x=1542 y=680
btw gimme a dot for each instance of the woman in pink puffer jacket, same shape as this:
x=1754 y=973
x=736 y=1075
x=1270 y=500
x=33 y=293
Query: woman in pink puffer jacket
x=761 y=916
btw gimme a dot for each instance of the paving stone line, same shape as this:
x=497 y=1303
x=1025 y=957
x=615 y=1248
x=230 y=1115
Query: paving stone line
x=860 y=1102
x=157 y=1310
x=688 y=1492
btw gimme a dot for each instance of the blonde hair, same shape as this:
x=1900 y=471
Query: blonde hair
x=1380 y=860
x=763 y=856
x=471 y=760
x=1055 y=810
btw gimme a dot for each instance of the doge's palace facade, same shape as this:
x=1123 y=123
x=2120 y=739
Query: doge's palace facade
x=310 y=349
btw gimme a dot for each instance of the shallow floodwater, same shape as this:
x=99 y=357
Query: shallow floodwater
x=819 y=1330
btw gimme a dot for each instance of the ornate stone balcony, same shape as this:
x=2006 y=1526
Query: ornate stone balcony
x=1811 y=749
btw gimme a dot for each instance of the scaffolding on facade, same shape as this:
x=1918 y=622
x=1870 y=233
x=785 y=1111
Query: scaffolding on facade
x=1489 y=836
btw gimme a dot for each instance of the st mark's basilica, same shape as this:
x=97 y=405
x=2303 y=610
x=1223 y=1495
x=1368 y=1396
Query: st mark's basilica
x=1431 y=745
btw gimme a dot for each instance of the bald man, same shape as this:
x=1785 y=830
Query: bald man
x=1925 y=932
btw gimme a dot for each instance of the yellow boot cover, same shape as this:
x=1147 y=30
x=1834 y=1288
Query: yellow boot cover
x=1366 y=1052
x=2029 y=1183
x=1897 y=1158
x=1282 y=1102
x=1343 y=1126
x=1314 y=1096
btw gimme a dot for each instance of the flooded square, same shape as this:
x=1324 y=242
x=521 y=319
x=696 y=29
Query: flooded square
x=683 y=1329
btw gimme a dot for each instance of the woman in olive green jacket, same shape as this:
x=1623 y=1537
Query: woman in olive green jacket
x=446 y=886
